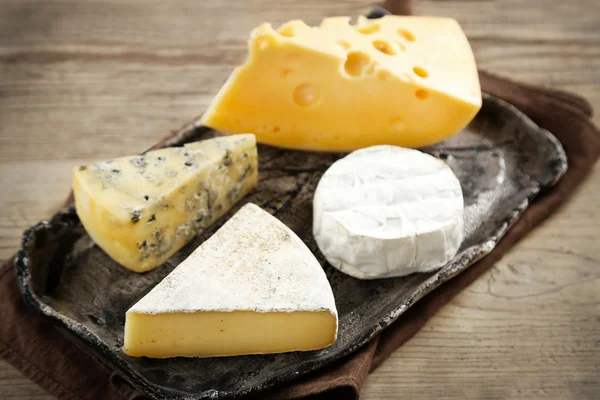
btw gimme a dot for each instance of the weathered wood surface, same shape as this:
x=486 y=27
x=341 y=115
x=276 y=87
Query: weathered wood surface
x=85 y=80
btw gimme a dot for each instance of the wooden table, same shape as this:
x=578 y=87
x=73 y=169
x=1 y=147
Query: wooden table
x=84 y=80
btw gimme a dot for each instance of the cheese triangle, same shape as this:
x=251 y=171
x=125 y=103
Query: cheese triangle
x=252 y=288
x=405 y=81
x=142 y=209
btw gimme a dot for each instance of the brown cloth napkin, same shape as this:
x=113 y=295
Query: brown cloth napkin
x=51 y=358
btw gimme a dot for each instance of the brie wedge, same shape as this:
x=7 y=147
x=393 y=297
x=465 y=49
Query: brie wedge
x=252 y=288
x=387 y=211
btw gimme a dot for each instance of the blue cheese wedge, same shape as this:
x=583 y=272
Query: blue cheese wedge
x=141 y=209
x=386 y=211
x=252 y=288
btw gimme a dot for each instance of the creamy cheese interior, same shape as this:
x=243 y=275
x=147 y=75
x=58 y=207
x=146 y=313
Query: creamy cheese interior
x=206 y=334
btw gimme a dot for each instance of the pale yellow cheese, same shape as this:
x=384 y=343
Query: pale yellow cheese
x=141 y=209
x=406 y=81
x=209 y=334
x=251 y=288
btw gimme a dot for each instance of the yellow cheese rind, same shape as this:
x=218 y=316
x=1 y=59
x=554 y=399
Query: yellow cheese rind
x=140 y=210
x=405 y=81
x=226 y=333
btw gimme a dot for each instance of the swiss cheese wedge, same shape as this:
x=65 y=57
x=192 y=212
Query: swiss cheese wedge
x=406 y=81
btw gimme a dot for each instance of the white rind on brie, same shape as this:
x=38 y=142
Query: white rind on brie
x=252 y=263
x=387 y=211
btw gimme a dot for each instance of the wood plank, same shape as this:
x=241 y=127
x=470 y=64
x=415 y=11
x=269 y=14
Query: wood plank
x=14 y=386
x=526 y=329
x=88 y=80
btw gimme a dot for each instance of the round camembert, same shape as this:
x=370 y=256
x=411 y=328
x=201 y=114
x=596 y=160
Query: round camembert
x=387 y=211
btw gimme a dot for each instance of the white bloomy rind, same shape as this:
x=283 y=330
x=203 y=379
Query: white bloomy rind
x=252 y=263
x=387 y=211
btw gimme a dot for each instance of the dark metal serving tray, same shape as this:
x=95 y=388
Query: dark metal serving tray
x=502 y=159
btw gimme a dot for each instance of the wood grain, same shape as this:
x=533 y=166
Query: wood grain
x=86 y=80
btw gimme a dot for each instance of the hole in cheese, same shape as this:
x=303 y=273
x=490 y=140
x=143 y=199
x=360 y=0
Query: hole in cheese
x=368 y=29
x=262 y=43
x=420 y=72
x=343 y=44
x=384 y=47
x=421 y=94
x=306 y=95
x=383 y=74
x=287 y=31
x=406 y=34
x=398 y=124
x=401 y=46
x=356 y=63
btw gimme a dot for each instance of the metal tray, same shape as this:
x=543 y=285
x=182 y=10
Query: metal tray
x=502 y=159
